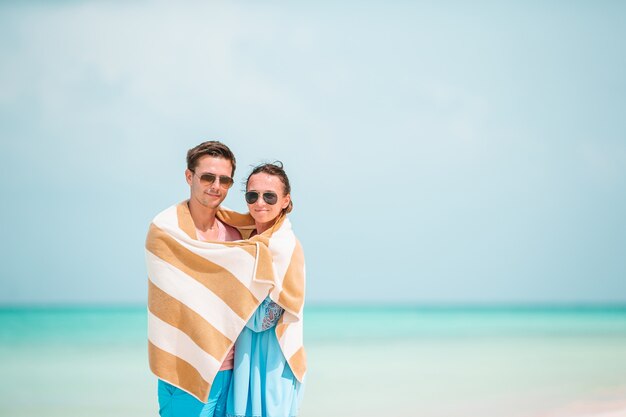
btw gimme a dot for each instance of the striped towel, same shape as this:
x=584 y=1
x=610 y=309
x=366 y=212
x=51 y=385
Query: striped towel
x=201 y=295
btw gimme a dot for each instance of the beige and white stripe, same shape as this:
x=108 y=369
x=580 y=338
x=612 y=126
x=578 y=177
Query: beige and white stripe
x=201 y=294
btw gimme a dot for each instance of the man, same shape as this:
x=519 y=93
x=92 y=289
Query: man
x=210 y=170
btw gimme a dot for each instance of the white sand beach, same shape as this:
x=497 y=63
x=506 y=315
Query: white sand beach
x=604 y=403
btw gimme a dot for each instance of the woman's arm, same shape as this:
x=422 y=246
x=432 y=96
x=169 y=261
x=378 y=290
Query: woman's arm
x=265 y=317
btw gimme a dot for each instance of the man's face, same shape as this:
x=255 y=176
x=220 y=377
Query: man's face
x=209 y=195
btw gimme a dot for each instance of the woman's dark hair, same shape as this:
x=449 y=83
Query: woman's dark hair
x=212 y=148
x=276 y=169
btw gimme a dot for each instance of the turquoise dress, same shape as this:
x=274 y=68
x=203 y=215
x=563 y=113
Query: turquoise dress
x=262 y=384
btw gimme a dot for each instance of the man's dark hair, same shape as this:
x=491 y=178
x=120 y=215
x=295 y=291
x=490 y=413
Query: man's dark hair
x=212 y=148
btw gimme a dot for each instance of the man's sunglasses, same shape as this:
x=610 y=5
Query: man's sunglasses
x=208 y=178
x=270 y=197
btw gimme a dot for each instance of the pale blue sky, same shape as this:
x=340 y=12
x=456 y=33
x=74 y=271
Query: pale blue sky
x=439 y=152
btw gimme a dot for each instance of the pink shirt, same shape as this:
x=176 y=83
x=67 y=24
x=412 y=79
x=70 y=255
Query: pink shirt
x=226 y=233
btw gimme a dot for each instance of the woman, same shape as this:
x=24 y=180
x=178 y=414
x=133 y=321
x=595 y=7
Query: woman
x=263 y=383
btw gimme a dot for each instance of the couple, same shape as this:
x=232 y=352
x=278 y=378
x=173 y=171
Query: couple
x=225 y=295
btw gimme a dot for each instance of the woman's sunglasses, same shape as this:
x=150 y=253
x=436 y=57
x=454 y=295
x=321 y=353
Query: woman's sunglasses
x=270 y=197
x=208 y=179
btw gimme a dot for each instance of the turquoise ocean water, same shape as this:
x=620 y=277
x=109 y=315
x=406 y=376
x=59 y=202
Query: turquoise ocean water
x=363 y=361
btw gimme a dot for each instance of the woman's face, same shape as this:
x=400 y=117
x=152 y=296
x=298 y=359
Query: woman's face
x=262 y=212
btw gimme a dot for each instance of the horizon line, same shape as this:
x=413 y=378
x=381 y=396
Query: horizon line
x=362 y=305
